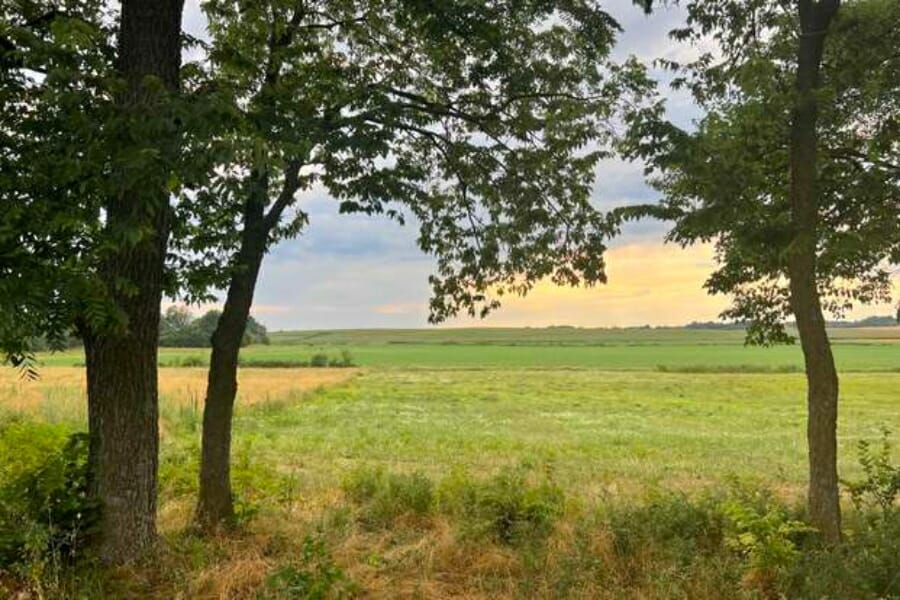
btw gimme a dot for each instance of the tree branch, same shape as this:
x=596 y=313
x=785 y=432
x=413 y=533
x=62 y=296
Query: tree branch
x=288 y=189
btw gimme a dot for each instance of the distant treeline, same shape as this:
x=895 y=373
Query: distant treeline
x=882 y=321
x=179 y=329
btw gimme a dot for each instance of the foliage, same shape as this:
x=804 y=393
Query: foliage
x=763 y=531
x=319 y=360
x=475 y=119
x=865 y=566
x=179 y=329
x=71 y=149
x=881 y=483
x=687 y=529
x=728 y=181
x=55 y=62
x=511 y=507
x=314 y=577
x=46 y=518
x=386 y=496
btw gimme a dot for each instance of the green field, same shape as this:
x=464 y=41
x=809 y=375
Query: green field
x=606 y=421
x=604 y=433
x=670 y=349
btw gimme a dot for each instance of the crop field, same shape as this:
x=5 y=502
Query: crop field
x=607 y=418
x=662 y=349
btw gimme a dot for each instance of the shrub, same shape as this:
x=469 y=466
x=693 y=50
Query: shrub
x=313 y=577
x=768 y=538
x=510 y=508
x=45 y=515
x=672 y=524
x=867 y=563
x=319 y=360
x=881 y=485
x=865 y=566
x=192 y=361
x=765 y=535
x=385 y=496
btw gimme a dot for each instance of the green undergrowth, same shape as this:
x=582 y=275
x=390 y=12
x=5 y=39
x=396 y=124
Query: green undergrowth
x=504 y=484
x=736 y=541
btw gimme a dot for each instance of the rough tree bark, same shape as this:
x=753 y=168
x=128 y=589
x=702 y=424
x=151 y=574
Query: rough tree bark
x=821 y=375
x=122 y=366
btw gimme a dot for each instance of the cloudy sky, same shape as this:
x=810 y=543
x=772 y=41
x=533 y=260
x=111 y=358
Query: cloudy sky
x=356 y=271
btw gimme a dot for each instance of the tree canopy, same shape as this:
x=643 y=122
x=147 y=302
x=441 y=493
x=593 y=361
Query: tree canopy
x=179 y=329
x=728 y=181
x=483 y=122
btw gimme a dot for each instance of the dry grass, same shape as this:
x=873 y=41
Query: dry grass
x=64 y=388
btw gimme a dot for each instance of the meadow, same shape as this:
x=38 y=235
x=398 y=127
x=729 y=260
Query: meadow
x=488 y=463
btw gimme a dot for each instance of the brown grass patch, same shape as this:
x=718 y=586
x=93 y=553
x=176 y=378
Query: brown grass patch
x=64 y=388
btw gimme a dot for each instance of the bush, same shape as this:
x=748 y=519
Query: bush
x=510 y=508
x=346 y=359
x=671 y=524
x=45 y=516
x=192 y=361
x=313 y=577
x=319 y=360
x=881 y=485
x=866 y=566
x=272 y=364
x=765 y=535
x=385 y=496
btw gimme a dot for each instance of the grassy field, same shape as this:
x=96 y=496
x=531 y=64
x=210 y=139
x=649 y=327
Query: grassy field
x=562 y=335
x=590 y=414
x=604 y=431
x=608 y=349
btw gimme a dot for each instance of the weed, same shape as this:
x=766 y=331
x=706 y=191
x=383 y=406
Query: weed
x=314 y=576
x=385 y=496
x=685 y=529
x=511 y=507
x=46 y=518
x=881 y=483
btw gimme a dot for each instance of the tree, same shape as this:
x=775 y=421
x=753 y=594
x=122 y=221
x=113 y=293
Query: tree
x=87 y=169
x=175 y=320
x=794 y=173
x=482 y=121
x=180 y=330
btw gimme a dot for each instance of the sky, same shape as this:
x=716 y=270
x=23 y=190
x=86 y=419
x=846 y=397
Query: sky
x=350 y=271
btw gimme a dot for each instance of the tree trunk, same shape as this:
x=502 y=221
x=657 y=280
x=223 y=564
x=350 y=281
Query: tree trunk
x=215 y=506
x=122 y=361
x=821 y=375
